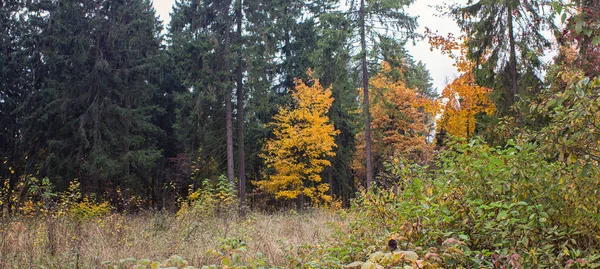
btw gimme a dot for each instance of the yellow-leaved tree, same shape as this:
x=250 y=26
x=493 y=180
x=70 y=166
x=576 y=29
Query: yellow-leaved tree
x=303 y=139
x=464 y=99
x=399 y=122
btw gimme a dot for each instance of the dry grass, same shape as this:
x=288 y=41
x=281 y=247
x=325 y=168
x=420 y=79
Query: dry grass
x=28 y=243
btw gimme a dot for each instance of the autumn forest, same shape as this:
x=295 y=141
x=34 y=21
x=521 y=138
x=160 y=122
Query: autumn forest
x=298 y=134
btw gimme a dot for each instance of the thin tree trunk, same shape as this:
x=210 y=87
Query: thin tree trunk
x=365 y=77
x=287 y=51
x=240 y=111
x=229 y=127
x=513 y=56
x=228 y=110
x=330 y=180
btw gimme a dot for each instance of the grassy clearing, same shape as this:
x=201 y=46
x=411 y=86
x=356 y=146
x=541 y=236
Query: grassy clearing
x=31 y=242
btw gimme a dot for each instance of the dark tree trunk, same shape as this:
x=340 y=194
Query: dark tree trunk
x=240 y=111
x=228 y=110
x=513 y=57
x=365 y=77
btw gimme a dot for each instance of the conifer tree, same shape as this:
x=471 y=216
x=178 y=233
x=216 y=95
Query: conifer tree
x=374 y=19
x=92 y=112
x=201 y=42
x=509 y=36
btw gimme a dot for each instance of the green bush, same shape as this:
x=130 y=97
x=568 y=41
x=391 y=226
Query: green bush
x=482 y=207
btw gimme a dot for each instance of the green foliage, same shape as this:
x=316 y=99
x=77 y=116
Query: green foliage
x=233 y=254
x=485 y=207
x=213 y=198
x=90 y=116
x=506 y=42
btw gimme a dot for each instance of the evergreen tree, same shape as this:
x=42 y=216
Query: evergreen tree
x=92 y=113
x=19 y=60
x=331 y=61
x=201 y=42
x=506 y=40
x=374 y=19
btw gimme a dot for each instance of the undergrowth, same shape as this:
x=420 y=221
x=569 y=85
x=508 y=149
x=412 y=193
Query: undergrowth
x=482 y=207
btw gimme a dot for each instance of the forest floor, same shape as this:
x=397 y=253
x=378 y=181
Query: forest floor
x=122 y=238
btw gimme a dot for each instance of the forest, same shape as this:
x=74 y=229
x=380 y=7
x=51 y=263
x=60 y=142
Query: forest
x=298 y=134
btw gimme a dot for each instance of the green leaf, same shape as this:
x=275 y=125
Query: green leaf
x=225 y=261
x=579 y=27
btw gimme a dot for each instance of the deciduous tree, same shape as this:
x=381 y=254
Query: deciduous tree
x=303 y=139
x=463 y=98
x=399 y=122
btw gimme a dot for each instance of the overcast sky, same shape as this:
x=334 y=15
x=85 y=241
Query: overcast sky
x=440 y=66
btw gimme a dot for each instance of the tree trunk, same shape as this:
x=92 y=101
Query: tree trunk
x=287 y=51
x=240 y=111
x=513 y=56
x=228 y=110
x=365 y=77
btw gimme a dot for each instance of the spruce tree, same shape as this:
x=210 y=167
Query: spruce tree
x=92 y=111
x=507 y=41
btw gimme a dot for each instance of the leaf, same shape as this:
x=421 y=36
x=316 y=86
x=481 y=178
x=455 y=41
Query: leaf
x=406 y=255
x=368 y=265
x=579 y=27
x=225 y=261
x=353 y=265
x=376 y=257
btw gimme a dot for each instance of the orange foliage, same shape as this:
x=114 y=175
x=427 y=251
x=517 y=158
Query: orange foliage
x=303 y=139
x=463 y=97
x=399 y=121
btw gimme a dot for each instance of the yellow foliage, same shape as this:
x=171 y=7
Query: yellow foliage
x=399 y=121
x=303 y=139
x=464 y=98
x=87 y=209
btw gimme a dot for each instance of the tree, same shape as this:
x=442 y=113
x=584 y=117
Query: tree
x=331 y=62
x=371 y=16
x=464 y=99
x=19 y=61
x=239 y=80
x=403 y=67
x=303 y=139
x=91 y=118
x=399 y=122
x=506 y=40
x=582 y=34
x=201 y=42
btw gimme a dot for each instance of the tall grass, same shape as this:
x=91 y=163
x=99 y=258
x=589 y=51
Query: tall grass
x=63 y=243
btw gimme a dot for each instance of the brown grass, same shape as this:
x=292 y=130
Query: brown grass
x=24 y=242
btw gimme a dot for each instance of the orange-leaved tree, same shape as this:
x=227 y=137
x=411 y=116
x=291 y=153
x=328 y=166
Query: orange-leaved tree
x=399 y=122
x=463 y=98
x=303 y=139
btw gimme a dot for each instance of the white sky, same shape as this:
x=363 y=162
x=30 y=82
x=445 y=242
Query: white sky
x=440 y=66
